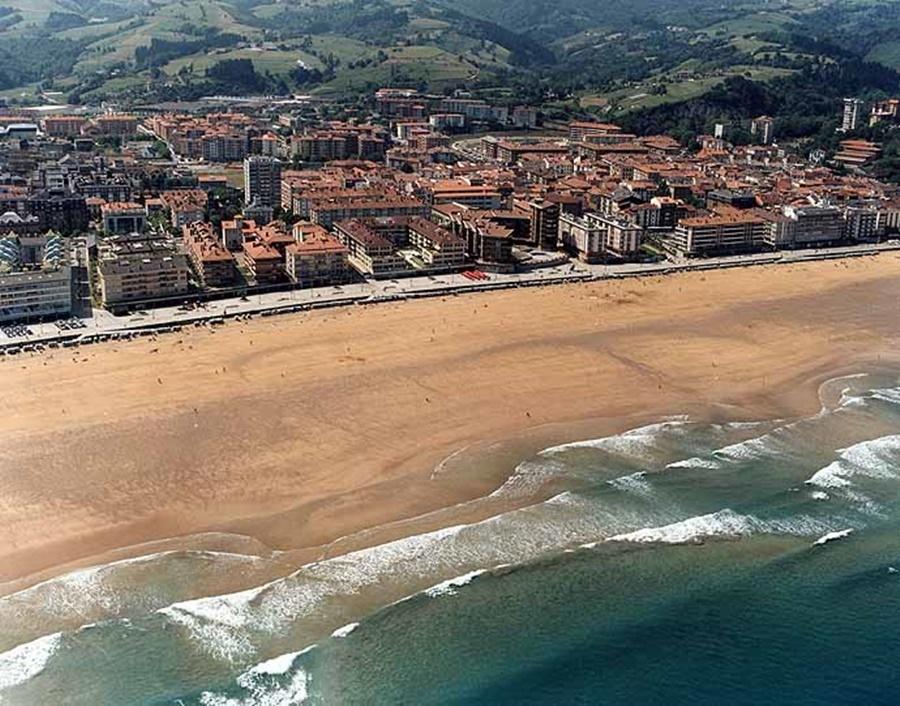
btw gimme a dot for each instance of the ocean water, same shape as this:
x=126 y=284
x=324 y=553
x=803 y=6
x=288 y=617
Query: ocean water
x=682 y=562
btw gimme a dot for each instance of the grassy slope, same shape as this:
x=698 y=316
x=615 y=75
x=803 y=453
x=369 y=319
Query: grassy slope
x=740 y=32
x=634 y=98
x=887 y=53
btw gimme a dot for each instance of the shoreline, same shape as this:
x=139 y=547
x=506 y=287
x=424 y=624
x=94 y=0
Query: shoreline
x=393 y=490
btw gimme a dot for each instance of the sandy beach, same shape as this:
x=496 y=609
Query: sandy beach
x=303 y=429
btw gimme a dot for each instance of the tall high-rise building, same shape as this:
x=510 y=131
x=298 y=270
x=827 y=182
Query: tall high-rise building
x=763 y=129
x=262 y=181
x=852 y=112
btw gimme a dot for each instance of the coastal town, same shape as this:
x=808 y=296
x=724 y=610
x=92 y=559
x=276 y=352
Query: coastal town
x=113 y=220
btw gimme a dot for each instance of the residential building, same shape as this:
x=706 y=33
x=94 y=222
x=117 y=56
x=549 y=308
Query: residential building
x=723 y=233
x=543 y=217
x=262 y=181
x=887 y=111
x=595 y=237
x=369 y=252
x=263 y=262
x=116 y=125
x=581 y=131
x=317 y=258
x=123 y=217
x=214 y=264
x=65 y=126
x=438 y=247
x=35 y=278
x=138 y=268
x=488 y=240
x=326 y=212
x=763 y=129
x=185 y=206
x=863 y=224
x=857 y=153
x=852 y=112
x=815 y=225
x=60 y=211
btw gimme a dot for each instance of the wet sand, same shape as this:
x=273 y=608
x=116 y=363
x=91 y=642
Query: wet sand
x=304 y=429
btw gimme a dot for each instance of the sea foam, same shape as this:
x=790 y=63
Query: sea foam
x=25 y=662
x=345 y=630
x=279 y=665
x=635 y=443
x=868 y=459
x=449 y=587
x=833 y=537
x=263 y=690
x=724 y=523
x=223 y=624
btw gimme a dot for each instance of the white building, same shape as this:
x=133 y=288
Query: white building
x=35 y=278
x=852 y=112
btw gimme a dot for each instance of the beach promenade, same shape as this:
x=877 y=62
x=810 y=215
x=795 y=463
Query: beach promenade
x=106 y=326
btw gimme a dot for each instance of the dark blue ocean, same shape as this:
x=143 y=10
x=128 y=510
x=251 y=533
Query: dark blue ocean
x=683 y=562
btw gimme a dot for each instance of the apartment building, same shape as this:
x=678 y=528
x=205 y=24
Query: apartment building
x=885 y=111
x=511 y=152
x=59 y=210
x=763 y=129
x=857 y=153
x=543 y=222
x=262 y=181
x=328 y=211
x=235 y=231
x=224 y=146
x=488 y=241
x=850 y=119
x=123 y=217
x=863 y=224
x=64 y=126
x=369 y=252
x=213 y=263
x=317 y=258
x=479 y=196
x=814 y=225
x=35 y=278
x=717 y=234
x=140 y=268
x=116 y=125
x=340 y=141
x=586 y=131
x=581 y=236
x=185 y=206
x=595 y=237
x=438 y=247
x=263 y=262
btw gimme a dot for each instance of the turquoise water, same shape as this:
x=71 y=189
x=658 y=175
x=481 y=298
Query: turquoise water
x=680 y=562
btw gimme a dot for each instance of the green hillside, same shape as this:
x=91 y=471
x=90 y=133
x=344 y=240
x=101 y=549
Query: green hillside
x=607 y=55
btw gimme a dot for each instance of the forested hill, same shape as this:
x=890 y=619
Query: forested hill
x=618 y=57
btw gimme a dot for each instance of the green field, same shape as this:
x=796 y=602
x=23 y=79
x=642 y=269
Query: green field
x=636 y=97
x=751 y=24
x=886 y=53
x=275 y=62
x=425 y=64
x=165 y=22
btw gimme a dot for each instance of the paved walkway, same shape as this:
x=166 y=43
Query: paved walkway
x=104 y=325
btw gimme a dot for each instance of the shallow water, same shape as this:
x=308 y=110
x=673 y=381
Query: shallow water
x=675 y=562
